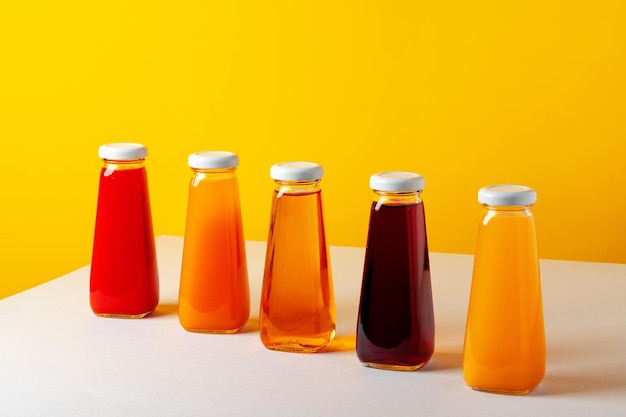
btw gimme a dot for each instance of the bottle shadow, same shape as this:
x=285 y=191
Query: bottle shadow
x=441 y=361
x=574 y=369
x=575 y=384
x=164 y=310
x=252 y=325
x=342 y=343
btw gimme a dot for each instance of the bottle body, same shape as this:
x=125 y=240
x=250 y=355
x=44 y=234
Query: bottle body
x=504 y=350
x=297 y=311
x=124 y=279
x=214 y=294
x=395 y=326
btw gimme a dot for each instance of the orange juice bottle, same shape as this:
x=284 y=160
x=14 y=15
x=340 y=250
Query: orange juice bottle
x=297 y=312
x=214 y=295
x=504 y=349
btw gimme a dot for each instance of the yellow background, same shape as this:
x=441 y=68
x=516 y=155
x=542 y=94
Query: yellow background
x=467 y=93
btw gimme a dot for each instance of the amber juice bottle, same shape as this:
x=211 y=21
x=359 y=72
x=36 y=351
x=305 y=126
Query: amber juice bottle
x=297 y=309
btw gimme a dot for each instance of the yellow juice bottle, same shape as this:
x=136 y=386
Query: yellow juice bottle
x=504 y=350
x=214 y=295
x=297 y=309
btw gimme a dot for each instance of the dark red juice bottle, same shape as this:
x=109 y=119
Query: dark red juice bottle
x=395 y=328
x=124 y=279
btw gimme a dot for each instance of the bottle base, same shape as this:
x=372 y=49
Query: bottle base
x=502 y=391
x=123 y=316
x=389 y=367
x=214 y=331
x=296 y=348
x=298 y=344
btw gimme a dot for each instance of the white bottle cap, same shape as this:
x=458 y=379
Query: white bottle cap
x=397 y=181
x=213 y=159
x=296 y=171
x=507 y=195
x=122 y=151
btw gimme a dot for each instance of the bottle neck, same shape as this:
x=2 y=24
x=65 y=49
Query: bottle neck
x=214 y=170
x=213 y=174
x=297 y=187
x=512 y=210
x=397 y=198
x=115 y=165
x=513 y=213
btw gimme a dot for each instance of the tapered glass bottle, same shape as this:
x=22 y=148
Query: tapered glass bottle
x=124 y=279
x=297 y=311
x=504 y=349
x=214 y=296
x=395 y=326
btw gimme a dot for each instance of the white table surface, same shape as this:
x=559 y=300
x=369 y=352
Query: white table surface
x=58 y=359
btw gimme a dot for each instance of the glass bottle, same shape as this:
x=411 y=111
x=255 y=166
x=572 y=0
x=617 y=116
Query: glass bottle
x=395 y=326
x=297 y=311
x=504 y=349
x=124 y=279
x=214 y=296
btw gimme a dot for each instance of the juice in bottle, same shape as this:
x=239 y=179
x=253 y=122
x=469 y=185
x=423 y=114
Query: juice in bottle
x=297 y=311
x=124 y=280
x=395 y=326
x=214 y=295
x=504 y=349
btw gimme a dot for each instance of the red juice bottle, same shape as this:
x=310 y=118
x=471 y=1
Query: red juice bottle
x=124 y=278
x=395 y=328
